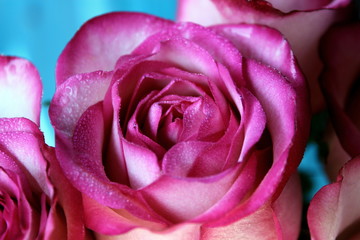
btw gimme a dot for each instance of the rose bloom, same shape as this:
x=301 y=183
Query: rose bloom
x=301 y=22
x=334 y=211
x=340 y=82
x=30 y=207
x=177 y=131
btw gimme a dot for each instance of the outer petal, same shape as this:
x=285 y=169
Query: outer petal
x=66 y=215
x=197 y=194
x=22 y=140
x=117 y=220
x=20 y=89
x=281 y=220
x=334 y=212
x=285 y=117
x=102 y=40
x=178 y=232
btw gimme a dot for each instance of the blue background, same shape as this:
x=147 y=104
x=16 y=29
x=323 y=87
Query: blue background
x=38 y=30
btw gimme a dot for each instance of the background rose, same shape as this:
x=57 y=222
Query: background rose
x=334 y=211
x=302 y=23
x=340 y=83
x=175 y=125
x=30 y=208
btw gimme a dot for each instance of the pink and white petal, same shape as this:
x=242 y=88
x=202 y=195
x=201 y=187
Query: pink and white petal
x=271 y=48
x=20 y=89
x=280 y=220
x=25 y=143
x=177 y=232
x=288 y=209
x=66 y=214
x=181 y=199
x=188 y=41
x=253 y=121
x=259 y=225
x=178 y=51
x=141 y=163
x=74 y=96
x=188 y=11
x=288 y=142
x=251 y=173
x=88 y=140
x=182 y=159
x=334 y=211
x=228 y=55
x=102 y=40
x=118 y=221
x=279 y=101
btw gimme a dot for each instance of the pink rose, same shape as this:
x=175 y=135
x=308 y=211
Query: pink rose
x=29 y=205
x=340 y=83
x=334 y=211
x=177 y=131
x=302 y=23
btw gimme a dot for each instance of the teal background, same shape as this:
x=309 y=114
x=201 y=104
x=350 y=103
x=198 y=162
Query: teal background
x=38 y=30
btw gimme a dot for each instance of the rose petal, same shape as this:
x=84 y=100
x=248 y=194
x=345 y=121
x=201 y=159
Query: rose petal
x=142 y=165
x=288 y=209
x=17 y=212
x=181 y=199
x=282 y=127
x=20 y=89
x=258 y=225
x=177 y=232
x=195 y=159
x=252 y=171
x=118 y=221
x=264 y=223
x=102 y=40
x=334 y=211
x=66 y=207
x=74 y=96
x=24 y=142
x=272 y=49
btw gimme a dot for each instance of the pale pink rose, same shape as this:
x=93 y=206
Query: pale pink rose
x=30 y=207
x=302 y=22
x=334 y=211
x=179 y=131
x=340 y=82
